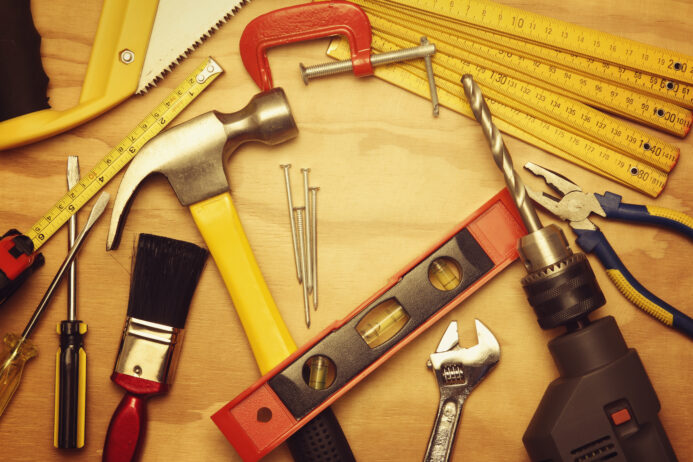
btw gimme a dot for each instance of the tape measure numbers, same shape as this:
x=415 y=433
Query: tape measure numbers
x=530 y=129
x=562 y=35
x=570 y=114
x=674 y=92
x=123 y=153
x=630 y=103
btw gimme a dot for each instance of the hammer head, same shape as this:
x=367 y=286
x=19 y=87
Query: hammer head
x=191 y=155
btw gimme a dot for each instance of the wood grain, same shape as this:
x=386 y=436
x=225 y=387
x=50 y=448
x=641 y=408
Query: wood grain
x=393 y=181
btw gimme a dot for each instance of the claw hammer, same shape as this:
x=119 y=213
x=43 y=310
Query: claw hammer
x=191 y=156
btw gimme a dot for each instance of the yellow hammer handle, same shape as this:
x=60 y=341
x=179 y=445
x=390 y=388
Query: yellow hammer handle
x=269 y=338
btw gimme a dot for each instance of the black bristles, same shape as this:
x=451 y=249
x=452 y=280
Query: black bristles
x=164 y=279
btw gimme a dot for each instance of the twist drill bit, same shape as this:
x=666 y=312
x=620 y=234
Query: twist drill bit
x=500 y=154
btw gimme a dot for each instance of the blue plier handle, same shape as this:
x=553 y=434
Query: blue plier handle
x=614 y=208
x=576 y=206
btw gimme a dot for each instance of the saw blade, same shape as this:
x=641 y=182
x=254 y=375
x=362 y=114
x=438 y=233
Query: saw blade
x=178 y=29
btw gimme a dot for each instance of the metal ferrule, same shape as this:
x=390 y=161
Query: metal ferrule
x=543 y=248
x=149 y=350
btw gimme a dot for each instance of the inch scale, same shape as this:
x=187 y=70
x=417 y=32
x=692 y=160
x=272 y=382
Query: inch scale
x=124 y=152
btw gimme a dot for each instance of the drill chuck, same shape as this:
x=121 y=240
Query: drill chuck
x=603 y=406
x=560 y=285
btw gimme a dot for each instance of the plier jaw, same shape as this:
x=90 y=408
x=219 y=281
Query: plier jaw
x=574 y=205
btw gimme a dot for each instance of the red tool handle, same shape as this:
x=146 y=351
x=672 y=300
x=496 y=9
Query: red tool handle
x=305 y=22
x=127 y=428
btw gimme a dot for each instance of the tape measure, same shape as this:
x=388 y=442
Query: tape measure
x=524 y=126
x=629 y=103
x=535 y=86
x=561 y=35
x=532 y=99
x=674 y=92
x=123 y=153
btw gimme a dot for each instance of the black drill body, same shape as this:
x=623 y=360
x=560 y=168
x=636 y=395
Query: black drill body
x=603 y=406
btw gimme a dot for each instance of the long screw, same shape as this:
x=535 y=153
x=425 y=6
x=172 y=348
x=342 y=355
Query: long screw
x=290 y=202
x=314 y=238
x=299 y=225
x=425 y=50
x=308 y=277
x=322 y=70
x=500 y=154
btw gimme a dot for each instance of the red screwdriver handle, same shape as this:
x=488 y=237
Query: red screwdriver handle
x=305 y=22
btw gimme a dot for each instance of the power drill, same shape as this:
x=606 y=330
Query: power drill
x=603 y=406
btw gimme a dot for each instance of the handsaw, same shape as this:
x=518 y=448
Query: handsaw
x=137 y=42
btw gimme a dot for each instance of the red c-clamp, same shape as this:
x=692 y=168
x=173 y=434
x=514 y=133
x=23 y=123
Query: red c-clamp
x=306 y=22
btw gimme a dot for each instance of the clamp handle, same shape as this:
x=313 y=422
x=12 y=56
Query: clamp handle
x=305 y=22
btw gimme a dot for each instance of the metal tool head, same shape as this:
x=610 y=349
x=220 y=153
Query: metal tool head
x=574 y=205
x=191 y=155
x=454 y=365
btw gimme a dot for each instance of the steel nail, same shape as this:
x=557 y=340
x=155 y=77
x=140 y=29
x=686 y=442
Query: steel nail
x=314 y=238
x=299 y=224
x=308 y=279
x=290 y=202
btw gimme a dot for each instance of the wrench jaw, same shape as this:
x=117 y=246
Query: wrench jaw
x=458 y=371
x=464 y=367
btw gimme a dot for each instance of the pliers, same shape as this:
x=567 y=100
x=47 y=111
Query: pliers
x=576 y=206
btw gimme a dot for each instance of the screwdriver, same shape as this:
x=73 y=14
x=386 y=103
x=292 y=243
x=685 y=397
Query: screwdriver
x=19 y=349
x=71 y=360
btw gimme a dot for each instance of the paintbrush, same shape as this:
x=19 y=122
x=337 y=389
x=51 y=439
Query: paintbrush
x=163 y=282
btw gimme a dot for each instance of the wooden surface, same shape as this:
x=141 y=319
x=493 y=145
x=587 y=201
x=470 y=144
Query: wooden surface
x=393 y=182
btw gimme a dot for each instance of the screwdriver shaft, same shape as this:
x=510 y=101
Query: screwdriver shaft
x=500 y=154
x=96 y=212
x=72 y=179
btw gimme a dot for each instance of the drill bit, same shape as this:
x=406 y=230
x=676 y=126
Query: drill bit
x=500 y=154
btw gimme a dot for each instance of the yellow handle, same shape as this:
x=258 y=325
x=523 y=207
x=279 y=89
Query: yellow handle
x=124 y=25
x=12 y=362
x=638 y=299
x=218 y=222
x=69 y=425
x=670 y=214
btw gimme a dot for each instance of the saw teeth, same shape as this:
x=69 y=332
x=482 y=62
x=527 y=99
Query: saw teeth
x=152 y=83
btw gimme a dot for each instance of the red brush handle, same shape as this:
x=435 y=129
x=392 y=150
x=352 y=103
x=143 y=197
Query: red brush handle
x=127 y=427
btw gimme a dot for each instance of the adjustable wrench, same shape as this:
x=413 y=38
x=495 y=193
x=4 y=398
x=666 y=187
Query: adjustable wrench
x=458 y=371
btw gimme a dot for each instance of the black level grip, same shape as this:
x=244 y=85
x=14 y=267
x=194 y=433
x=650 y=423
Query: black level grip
x=23 y=82
x=70 y=390
x=321 y=440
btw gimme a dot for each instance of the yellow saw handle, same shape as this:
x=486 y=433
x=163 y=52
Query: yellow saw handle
x=218 y=222
x=125 y=25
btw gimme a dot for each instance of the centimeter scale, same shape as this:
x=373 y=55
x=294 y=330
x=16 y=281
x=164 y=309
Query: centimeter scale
x=543 y=79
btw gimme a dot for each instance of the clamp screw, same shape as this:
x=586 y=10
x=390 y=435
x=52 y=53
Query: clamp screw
x=425 y=50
